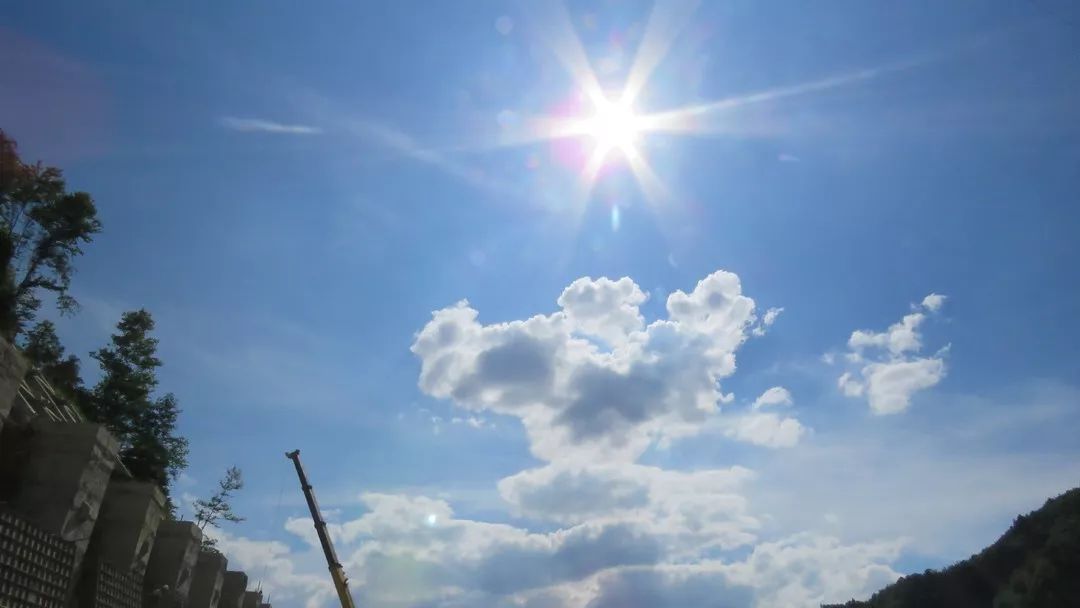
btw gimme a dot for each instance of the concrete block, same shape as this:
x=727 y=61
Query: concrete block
x=36 y=567
x=233 y=586
x=63 y=481
x=252 y=599
x=12 y=369
x=128 y=523
x=172 y=564
x=209 y=577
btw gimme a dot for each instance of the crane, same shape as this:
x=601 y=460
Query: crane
x=341 y=582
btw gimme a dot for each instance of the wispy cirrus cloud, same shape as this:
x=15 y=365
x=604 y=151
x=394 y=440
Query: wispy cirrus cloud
x=405 y=145
x=258 y=125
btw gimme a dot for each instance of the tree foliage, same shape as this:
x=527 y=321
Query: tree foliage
x=218 y=508
x=42 y=230
x=1036 y=563
x=42 y=348
x=124 y=401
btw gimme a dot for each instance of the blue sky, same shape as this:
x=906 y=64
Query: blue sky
x=293 y=191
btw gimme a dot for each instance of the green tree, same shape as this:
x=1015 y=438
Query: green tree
x=42 y=347
x=42 y=230
x=124 y=401
x=218 y=507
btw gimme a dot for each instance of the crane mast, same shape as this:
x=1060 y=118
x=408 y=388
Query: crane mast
x=336 y=572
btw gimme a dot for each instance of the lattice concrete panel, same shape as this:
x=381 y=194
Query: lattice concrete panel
x=109 y=587
x=35 y=566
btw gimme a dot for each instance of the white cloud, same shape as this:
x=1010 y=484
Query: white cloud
x=604 y=308
x=476 y=422
x=256 y=125
x=891 y=371
x=767 y=320
x=272 y=565
x=592 y=379
x=776 y=395
x=889 y=386
x=766 y=429
x=687 y=512
x=933 y=302
x=591 y=527
x=850 y=386
x=770 y=315
x=924 y=479
x=899 y=338
x=414 y=549
x=831 y=571
x=409 y=551
x=802 y=570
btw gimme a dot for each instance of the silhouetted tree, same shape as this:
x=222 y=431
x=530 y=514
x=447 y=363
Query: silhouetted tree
x=218 y=507
x=43 y=349
x=124 y=401
x=42 y=229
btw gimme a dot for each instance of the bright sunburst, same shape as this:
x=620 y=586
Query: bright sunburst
x=613 y=126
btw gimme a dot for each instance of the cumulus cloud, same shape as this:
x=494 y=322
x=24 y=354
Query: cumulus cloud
x=595 y=385
x=776 y=395
x=604 y=308
x=687 y=511
x=592 y=379
x=257 y=125
x=277 y=567
x=414 y=551
x=891 y=371
x=889 y=386
x=766 y=429
x=900 y=338
x=933 y=302
x=802 y=570
x=410 y=550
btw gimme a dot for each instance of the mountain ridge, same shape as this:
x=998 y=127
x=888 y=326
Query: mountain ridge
x=1034 y=564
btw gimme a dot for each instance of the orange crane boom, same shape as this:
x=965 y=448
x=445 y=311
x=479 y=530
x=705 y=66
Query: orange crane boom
x=341 y=582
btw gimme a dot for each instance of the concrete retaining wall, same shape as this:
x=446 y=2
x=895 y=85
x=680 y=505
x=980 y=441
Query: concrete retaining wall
x=64 y=479
x=209 y=577
x=72 y=534
x=36 y=566
x=128 y=523
x=172 y=562
x=232 y=590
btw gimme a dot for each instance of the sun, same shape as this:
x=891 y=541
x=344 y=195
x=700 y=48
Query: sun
x=612 y=126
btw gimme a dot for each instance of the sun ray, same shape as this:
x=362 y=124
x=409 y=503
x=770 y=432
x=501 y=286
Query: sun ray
x=690 y=120
x=554 y=26
x=610 y=125
x=665 y=23
x=654 y=190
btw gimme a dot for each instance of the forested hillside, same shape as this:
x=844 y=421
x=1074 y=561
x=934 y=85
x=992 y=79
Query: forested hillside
x=1035 y=564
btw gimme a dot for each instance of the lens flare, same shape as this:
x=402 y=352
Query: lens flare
x=612 y=126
